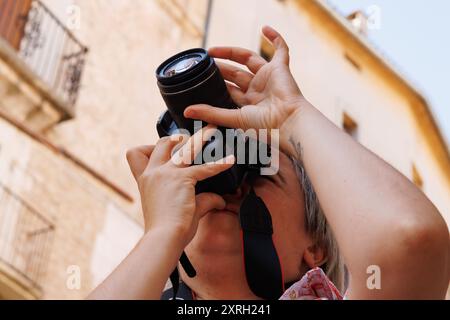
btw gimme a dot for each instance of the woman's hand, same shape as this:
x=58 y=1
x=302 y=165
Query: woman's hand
x=167 y=184
x=268 y=94
x=171 y=213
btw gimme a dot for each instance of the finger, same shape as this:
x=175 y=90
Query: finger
x=236 y=75
x=253 y=61
x=206 y=202
x=230 y=118
x=205 y=171
x=194 y=145
x=183 y=138
x=281 y=47
x=236 y=94
x=138 y=159
x=163 y=150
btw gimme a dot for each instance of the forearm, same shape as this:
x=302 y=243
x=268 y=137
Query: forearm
x=374 y=211
x=143 y=274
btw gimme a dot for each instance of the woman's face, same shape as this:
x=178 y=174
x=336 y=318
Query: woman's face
x=216 y=250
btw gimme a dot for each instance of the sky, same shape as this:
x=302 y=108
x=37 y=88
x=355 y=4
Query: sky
x=415 y=36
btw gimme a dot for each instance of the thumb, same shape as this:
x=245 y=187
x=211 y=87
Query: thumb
x=281 y=47
x=206 y=202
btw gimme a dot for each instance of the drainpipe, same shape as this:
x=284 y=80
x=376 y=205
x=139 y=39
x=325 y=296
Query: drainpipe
x=207 y=23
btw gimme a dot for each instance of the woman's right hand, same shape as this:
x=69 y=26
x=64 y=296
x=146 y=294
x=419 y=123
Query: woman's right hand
x=268 y=94
x=166 y=181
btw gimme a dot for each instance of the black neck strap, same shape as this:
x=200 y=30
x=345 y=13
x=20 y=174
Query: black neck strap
x=175 y=275
x=262 y=264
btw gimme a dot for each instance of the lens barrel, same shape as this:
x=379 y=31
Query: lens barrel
x=191 y=77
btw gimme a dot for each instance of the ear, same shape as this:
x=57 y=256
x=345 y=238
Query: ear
x=314 y=256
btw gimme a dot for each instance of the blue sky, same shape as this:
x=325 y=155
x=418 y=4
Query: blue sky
x=415 y=35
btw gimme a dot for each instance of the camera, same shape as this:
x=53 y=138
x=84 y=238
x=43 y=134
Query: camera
x=192 y=77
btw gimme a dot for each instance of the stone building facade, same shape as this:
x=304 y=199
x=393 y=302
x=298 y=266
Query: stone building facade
x=75 y=95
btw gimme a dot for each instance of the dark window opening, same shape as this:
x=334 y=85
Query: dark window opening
x=352 y=61
x=350 y=126
x=416 y=177
x=266 y=49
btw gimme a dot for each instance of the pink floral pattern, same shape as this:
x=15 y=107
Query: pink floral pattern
x=314 y=285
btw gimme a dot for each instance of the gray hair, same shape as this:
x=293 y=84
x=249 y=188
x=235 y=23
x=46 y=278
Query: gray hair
x=318 y=228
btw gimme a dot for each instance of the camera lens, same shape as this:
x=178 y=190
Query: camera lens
x=191 y=77
x=184 y=70
x=181 y=65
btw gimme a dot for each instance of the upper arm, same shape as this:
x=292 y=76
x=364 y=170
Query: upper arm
x=415 y=267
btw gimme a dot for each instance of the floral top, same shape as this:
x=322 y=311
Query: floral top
x=314 y=285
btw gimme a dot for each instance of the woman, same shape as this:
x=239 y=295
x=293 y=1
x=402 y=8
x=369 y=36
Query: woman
x=376 y=216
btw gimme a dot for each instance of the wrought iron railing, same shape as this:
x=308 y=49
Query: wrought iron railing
x=46 y=45
x=26 y=237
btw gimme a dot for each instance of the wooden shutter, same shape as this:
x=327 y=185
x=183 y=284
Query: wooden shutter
x=13 y=15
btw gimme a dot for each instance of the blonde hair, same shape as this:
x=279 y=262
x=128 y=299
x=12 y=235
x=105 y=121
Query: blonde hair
x=319 y=230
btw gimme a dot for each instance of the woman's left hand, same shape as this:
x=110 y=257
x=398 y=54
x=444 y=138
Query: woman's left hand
x=167 y=180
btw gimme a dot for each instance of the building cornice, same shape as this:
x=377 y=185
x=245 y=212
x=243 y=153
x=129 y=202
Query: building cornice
x=359 y=46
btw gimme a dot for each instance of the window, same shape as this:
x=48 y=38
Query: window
x=13 y=15
x=350 y=126
x=266 y=49
x=416 y=177
x=44 y=44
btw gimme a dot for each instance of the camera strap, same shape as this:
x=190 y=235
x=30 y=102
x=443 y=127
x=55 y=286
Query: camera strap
x=175 y=275
x=262 y=264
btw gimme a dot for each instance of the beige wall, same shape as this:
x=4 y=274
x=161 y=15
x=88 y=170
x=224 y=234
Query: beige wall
x=119 y=101
x=117 y=109
x=82 y=210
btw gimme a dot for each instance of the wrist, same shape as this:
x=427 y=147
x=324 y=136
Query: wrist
x=289 y=142
x=167 y=237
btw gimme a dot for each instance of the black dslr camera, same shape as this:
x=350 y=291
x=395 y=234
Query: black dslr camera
x=192 y=77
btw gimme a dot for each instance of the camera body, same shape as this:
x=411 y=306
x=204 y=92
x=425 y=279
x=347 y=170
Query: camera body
x=192 y=77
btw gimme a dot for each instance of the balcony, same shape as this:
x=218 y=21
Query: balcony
x=41 y=64
x=25 y=241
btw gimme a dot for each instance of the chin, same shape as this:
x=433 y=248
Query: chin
x=218 y=233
